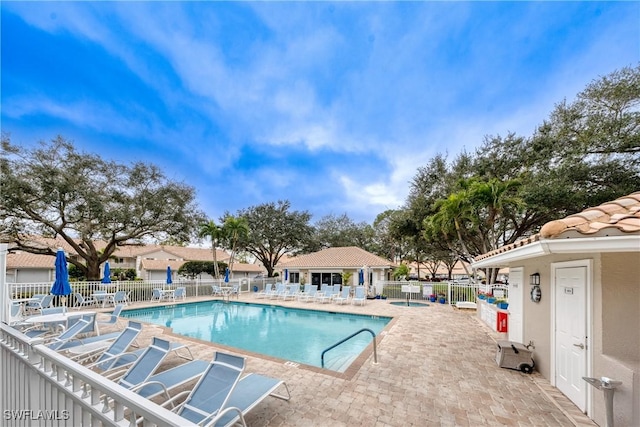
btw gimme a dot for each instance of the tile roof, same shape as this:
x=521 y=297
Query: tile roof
x=620 y=216
x=615 y=218
x=350 y=256
x=29 y=260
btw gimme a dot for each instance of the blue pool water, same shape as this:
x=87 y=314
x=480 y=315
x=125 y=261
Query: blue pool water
x=295 y=335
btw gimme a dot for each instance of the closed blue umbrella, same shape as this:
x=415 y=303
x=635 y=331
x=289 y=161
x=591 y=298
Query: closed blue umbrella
x=226 y=275
x=107 y=273
x=286 y=274
x=361 y=277
x=169 y=279
x=61 y=285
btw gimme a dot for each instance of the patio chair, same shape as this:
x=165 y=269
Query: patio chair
x=279 y=290
x=44 y=302
x=344 y=295
x=180 y=293
x=325 y=296
x=222 y=398
x=121 y=298
x=309 y=295
x=82 y=325
x=81 y=301
x=167 y=380
x=100 y=297
x=146 y=364
x=268 y=288
x=114 y=317
x=359 y=296
x=216 y=290
x=212 y=391
x=157 y=295
x=111 y=354
x=335 y=292
x=306 y=290
x=291 y=291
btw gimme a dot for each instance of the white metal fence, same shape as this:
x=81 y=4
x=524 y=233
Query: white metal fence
x=138 y=290
x=450 y=292
x=40 y=387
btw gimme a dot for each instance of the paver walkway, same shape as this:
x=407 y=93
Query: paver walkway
x=436 y=367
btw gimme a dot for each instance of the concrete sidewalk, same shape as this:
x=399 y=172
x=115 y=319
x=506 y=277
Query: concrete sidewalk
x=436 y=367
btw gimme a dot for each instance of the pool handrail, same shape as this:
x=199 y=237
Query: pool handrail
x=373 y=334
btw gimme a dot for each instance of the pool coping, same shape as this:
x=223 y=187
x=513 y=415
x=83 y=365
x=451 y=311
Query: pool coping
x=348 y=373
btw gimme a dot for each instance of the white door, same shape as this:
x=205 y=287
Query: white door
x=516 y=299
x=570 y=333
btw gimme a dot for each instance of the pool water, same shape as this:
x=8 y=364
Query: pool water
x=296 y=335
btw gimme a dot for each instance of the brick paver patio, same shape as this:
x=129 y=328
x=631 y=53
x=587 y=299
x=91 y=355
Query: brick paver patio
x=436 y=367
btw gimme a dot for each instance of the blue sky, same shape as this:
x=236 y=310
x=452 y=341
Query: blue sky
x=332 y=106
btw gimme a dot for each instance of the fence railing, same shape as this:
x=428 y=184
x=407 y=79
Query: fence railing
x=451 y=292
x=139 y=290
x=42 y=387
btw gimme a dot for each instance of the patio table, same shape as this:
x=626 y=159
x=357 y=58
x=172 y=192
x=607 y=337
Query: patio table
x=23 y=302
x=104 y=297
x=59 y=318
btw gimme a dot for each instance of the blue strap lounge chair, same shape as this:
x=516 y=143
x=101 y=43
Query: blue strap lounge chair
x=114 y=317
x=106 y=352
x=212 y=391
x=166 y=381
x=146 y=364
x=121 y=298
x=81 y=326
x=222 y=398
x=249 y=392
x=81 y=301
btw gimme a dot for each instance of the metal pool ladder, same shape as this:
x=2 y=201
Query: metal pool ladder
x=375 y=351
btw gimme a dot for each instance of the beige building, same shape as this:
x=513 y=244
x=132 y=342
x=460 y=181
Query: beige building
x=575 y=295
x=326 y=267
x=149 y=261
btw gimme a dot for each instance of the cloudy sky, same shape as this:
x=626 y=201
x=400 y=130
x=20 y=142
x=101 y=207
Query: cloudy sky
x=332 y=106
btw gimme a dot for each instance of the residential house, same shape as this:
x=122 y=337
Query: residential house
x=575 y=295
x=149 y=261
x=326 y=267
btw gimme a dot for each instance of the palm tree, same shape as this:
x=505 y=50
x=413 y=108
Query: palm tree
x=214 y=232
x=235 y=230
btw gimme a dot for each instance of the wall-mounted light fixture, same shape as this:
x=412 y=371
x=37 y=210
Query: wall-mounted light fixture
x=535 y=279
x=536 y=292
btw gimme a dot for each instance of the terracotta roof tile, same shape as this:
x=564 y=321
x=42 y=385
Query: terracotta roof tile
x=618 y=217
x=350 y=256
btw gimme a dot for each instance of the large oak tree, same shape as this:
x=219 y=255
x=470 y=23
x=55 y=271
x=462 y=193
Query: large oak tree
x=92 y=204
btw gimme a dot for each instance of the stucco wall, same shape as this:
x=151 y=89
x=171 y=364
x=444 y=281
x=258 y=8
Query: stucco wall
x=617 y=332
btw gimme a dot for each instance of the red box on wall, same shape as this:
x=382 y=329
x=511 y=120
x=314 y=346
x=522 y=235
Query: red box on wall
x=503 y=321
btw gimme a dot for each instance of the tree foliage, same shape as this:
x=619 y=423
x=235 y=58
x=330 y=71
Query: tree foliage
x=274 y=230
x=193 y=269
x=584 y=154
x=56 y=191
x=214 y=232
x=333 y=231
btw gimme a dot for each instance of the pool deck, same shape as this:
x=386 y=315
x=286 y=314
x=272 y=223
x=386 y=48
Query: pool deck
x=436 y=367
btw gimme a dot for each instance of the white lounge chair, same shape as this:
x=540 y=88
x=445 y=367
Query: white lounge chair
x=291 y=291
x=266 y=291
x=359 y=296
x=324 y=296
x=344 y=295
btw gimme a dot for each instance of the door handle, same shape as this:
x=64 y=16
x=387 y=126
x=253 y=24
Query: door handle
x=579 y=345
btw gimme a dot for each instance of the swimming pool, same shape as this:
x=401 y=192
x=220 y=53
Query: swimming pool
x=293 y=334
